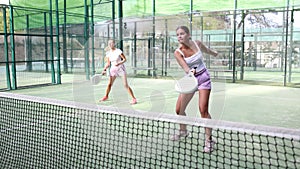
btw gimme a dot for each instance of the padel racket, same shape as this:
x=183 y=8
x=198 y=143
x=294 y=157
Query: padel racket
x=187 y=84
x=95 y=79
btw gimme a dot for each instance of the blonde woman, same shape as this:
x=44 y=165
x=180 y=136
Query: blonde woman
x=115 y=60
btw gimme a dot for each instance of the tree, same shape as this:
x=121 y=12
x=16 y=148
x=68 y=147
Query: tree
x=260 y=19
x=2 y=20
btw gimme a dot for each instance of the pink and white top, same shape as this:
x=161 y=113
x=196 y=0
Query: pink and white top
x=114 y=58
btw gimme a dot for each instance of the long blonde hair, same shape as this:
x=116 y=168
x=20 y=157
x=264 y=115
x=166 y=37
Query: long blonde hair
x=108 y=42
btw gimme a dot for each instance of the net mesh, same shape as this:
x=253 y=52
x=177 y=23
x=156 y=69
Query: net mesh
x=46 y=133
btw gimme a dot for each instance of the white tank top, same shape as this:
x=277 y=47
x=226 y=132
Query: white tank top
x=114 y=56
x=196 y=60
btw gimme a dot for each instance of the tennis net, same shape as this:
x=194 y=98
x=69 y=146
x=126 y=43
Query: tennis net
x=47 y=133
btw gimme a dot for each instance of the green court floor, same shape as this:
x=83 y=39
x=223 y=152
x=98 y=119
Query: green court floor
x=255 y=104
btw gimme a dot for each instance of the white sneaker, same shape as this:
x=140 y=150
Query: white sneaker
x=178 y=136
x=209 y=146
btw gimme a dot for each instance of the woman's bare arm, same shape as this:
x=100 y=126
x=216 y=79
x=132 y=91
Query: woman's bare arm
x=181 y=61
x=205 y=49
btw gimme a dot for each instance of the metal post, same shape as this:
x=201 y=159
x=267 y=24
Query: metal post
x=162 y=56
x=208 y=56
x=8 y=82
x=65 y=62
x=166 y=47
x=86 y=40
x=28 y=56
x=121 y=24
x=286 y=41
x=92 y=37
x=46 y=41
x=291 y=47
x=51 y=43
x=243 y=46
x=28 y=53
x=153 y=38
x=134 y=48
x=191 y=17
x=113 y=20
x=57 y=43
x=12 y=48
x=255 y=52
x=283 y=43
x=234 y=42
x=71 y=53
x=149 y=54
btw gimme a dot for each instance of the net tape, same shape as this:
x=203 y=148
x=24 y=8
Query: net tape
x=39 y=132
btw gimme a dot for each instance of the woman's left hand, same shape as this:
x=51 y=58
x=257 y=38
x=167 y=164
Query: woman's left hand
x=193 y=70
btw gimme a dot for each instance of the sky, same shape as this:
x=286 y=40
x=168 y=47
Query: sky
x=4 y=1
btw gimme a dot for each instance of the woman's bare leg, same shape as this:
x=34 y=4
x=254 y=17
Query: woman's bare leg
x=203 y=108
x=181 y=104
x=109 y=85
x=128 y=87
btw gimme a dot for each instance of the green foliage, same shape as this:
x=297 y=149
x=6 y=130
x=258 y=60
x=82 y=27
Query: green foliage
x=162 y=7
x=133 y=8
x=2 y=20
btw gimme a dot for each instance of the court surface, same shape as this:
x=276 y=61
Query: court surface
x=255 y=104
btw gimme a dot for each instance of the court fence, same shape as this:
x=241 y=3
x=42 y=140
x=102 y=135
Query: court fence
x=38 y=46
